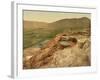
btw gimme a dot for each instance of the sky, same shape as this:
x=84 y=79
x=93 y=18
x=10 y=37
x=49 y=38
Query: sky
x=44 y=16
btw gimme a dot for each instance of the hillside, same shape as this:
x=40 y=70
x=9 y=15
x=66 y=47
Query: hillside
x=35 y=33
x=28 y=25
x=71 y=24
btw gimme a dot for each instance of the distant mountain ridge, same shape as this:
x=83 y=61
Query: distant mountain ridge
x=71 y=24
x=34 y=24
x=61 y=24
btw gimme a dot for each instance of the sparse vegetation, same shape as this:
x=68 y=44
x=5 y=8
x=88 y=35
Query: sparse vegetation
x=37 y=35
x=36 y=32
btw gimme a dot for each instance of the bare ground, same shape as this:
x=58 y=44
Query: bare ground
x=73 y=57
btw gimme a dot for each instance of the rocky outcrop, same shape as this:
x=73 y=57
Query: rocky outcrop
x=53 y=55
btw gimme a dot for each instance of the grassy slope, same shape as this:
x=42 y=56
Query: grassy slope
x=37 y=32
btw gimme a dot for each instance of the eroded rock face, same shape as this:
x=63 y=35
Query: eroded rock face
x=53 y=56
x=69 y=57
x=28 y=53
x=74 y=57
x=87 y=49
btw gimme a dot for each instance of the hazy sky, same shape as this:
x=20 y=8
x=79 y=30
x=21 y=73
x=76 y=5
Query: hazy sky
x=51 y=16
